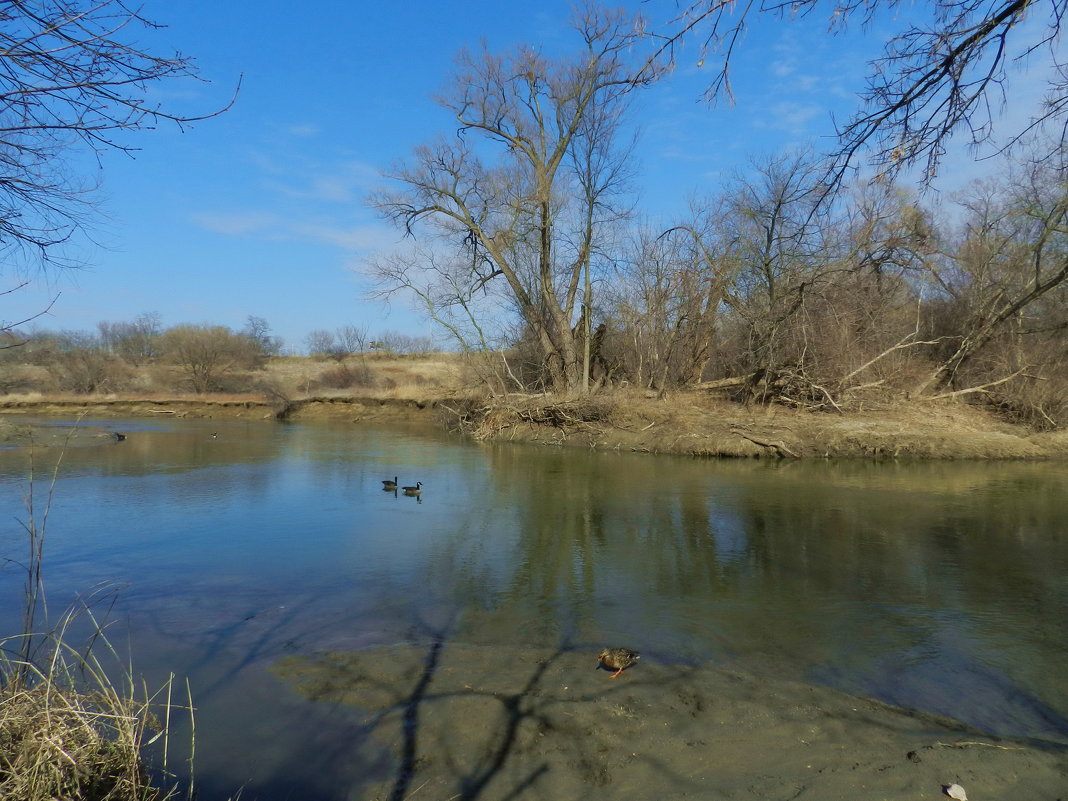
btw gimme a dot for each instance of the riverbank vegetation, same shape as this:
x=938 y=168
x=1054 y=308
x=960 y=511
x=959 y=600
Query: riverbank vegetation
x=794 y=284
x=648 y=397
x=788 y=283
x=75 y=723
x=69 y=729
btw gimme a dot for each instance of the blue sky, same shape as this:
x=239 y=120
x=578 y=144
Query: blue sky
x=261 y=210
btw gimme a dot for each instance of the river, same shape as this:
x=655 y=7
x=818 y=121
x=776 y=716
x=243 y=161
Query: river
x=215 y=548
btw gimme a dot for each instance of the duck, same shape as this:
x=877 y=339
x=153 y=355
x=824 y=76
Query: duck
x=119 y=436
x=389 y=485
x=617 y=659
x=413 y=490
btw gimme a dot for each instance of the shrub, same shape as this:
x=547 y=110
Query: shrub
x=206 y=355
x=346 y=376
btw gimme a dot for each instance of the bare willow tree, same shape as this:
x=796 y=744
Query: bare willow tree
x=1006 y=277
x=72 y=78
x=521 y=195
x=668 y=299
x=945 y=71
x=784 y=239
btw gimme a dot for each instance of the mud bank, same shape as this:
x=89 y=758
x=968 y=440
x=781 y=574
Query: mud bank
x=692 y=424
x=696 y=425
x=16 y=431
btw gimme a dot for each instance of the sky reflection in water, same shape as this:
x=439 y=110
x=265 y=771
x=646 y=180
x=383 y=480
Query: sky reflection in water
x=936 y=586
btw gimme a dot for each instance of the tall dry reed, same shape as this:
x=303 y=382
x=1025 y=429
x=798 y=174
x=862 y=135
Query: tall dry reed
x=71 y=728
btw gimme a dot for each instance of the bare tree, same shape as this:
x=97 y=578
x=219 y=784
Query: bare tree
x=81 y=364
x=782 y=236
x=533 y=218
x=945 y=71
x=208 y=354
x=258 y=330
x=862 y=331
x=396 y=342
x=135 y=342
x=1007 y=275
x=668 y=300
x=321 y=342
x=352 y=338
x=338 y=344
x=438 y=286
x=71 y=74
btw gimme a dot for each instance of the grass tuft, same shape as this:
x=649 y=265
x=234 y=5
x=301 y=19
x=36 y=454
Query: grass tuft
x=68 y=731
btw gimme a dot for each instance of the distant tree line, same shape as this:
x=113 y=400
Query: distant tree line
x=142 y=355
x=350 y=340
x=201 y=358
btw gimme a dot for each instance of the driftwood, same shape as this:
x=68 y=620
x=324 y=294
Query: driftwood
x=969 y=390
x=779 y=446
x=724 y=383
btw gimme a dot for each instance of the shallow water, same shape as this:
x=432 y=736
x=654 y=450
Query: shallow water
x=942 y=587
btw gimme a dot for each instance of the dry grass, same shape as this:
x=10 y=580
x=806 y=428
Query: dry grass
x=700 y=424
x=372 y=375
x=71 y=727
x=68 y=731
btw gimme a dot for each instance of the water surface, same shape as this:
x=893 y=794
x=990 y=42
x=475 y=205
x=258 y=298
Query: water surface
x=227 y=545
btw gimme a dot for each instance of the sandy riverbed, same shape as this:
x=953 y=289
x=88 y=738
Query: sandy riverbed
x=453 y=721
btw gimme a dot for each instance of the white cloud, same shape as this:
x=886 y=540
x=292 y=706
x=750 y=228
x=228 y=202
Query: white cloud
x=353 y=238
x=235 y=223
x=303 y=131
x=347 y=182
x=363 y=237
x=781 y=68
x=789 y=116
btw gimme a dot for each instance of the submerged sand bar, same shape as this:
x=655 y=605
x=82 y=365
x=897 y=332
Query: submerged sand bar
x=452 y=721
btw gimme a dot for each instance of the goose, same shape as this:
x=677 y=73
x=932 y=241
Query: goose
x=389 y=485
x=617 y=659
x=413 y=490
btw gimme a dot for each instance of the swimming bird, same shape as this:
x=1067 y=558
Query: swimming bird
x=413 y=490
x=389 y=485
x=119 y=436
x=617 y=659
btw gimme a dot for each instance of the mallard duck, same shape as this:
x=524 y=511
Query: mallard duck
x=617 y=659
x=389 y=485
x=413 y=490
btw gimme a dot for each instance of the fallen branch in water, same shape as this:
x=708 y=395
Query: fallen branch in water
x=779 y=447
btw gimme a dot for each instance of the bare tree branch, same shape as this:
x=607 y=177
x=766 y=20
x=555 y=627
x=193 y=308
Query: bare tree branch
x=71 y=77
x=945 y=71
x=532 y=217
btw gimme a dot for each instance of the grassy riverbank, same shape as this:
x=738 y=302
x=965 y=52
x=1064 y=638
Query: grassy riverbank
x=445 y=390
x=686 y=423
x=69 y=731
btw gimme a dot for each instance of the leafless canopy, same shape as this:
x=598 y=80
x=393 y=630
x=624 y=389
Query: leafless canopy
x=521 y=195
x=945 y=72
x=71 y=76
